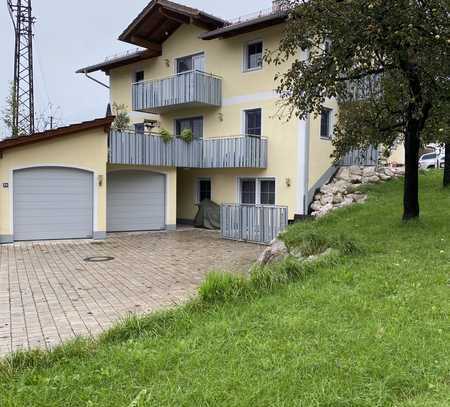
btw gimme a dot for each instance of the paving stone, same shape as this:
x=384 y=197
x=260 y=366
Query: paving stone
x=50 y=294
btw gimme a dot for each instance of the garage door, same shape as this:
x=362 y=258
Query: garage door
x=136 y=201
x=52 y=203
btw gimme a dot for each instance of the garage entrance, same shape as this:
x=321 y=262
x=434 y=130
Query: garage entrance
x=135 y=201
x=52 y=203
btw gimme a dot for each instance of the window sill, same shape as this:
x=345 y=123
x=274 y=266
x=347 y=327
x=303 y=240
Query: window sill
x=245 y=70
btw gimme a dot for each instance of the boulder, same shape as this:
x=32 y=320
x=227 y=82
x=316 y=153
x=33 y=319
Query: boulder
x=325 y=209
x=326 y=199
x=356 y=170
x=316 y=206
x=275 y=252
x=343 y=174
x=369 y=171
x=374 y=179
x=338 y=198
x=384 y=177
x=340 y=187
x=388 y=172
x=356 y=179
x=317 y=196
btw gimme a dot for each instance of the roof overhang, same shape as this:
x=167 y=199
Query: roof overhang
x=160 y=19
x=104 y=123
x=119 y=61
x=244 y=27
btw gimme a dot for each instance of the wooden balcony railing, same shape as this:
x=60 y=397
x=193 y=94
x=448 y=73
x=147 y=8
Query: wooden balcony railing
x=187 y=88
x=150 y=149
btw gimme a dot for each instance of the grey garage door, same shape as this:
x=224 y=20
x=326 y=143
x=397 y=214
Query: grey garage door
x=53 y=203
x=135 y=201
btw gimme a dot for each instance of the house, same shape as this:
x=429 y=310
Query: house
x=192 y=71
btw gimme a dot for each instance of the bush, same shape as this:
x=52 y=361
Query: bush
x=187 y=135
x=223 y=287
x=166 y=136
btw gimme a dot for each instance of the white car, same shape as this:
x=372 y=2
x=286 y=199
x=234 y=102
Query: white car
x=431 y=160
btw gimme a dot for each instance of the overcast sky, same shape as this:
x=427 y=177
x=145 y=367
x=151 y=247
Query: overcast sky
x=72 y=34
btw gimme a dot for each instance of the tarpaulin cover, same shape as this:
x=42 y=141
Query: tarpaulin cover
x=208 y=215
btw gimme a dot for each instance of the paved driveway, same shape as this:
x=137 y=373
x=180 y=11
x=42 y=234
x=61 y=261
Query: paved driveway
x=49 y=293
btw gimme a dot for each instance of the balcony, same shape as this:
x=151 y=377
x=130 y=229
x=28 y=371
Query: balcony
x=187 y=89
x=149 y=149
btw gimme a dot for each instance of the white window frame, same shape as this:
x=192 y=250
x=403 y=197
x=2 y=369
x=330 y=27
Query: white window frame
x=245 y=68
x=197 y=188
x=175 y=60
x=257 y=189
x=331 y=124
x=244 y=121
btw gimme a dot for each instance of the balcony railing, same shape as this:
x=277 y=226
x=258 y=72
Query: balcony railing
x=150 y=149
x=252 y=223
x=194 y=88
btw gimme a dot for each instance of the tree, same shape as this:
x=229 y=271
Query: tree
x=386 y=61
x=8 y=112
x=122 y=120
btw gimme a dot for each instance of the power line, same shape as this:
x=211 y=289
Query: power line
x=23 y=93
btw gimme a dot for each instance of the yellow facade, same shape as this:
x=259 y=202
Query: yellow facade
x=87 y=150
x=241 y=91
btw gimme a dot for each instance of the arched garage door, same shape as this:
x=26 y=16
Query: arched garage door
x=52 y=203
x=135 y=201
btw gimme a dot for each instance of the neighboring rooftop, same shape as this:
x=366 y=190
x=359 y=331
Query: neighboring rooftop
x=11 y=142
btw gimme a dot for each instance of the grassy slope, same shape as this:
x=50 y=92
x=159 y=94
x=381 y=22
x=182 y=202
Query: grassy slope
x=372 y=331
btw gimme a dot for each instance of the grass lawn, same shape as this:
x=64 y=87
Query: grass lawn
x=367 y=329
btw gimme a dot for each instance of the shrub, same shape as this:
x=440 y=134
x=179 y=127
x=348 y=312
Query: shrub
x=166 y=136
x=222 y=287
x=187 y=135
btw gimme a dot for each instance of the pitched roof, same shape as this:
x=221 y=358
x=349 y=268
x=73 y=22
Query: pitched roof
x=11 y=142
x=115 y=62
x=161 y=18
x=273 y=17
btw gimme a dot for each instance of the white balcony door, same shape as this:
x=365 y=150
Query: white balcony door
x=198 y=62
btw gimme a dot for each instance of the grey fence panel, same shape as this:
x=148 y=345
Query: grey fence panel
x=184 y=88
x=149 y=149
x=252 y=223
x=366 y=158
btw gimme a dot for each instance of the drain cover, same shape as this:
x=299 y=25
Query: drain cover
x=98 y=259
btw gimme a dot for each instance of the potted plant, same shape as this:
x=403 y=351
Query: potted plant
x=166 y=136
x=187 y=135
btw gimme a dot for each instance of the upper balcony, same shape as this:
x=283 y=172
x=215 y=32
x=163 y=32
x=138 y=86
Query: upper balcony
x=187 y=89
x=150 y=149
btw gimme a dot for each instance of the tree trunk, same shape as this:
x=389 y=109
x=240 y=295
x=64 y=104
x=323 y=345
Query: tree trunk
x=411 y=192
x=447 y=165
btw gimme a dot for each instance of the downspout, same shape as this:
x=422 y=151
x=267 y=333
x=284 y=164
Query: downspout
x=95 y=80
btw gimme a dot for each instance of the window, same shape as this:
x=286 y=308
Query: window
x=268 y=192
x=253 y=122
x=253 y=56
x=139 y=76
x=191 y=63
x=325 y=124
x=258 y=191
x=248 y=191
x=204 y=189
x=139 y=128
x=195 y=124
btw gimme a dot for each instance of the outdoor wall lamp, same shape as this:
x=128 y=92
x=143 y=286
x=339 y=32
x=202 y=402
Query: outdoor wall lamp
x=167 y=61
x=288 y=182
x=220 y=116
x=100 y=180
